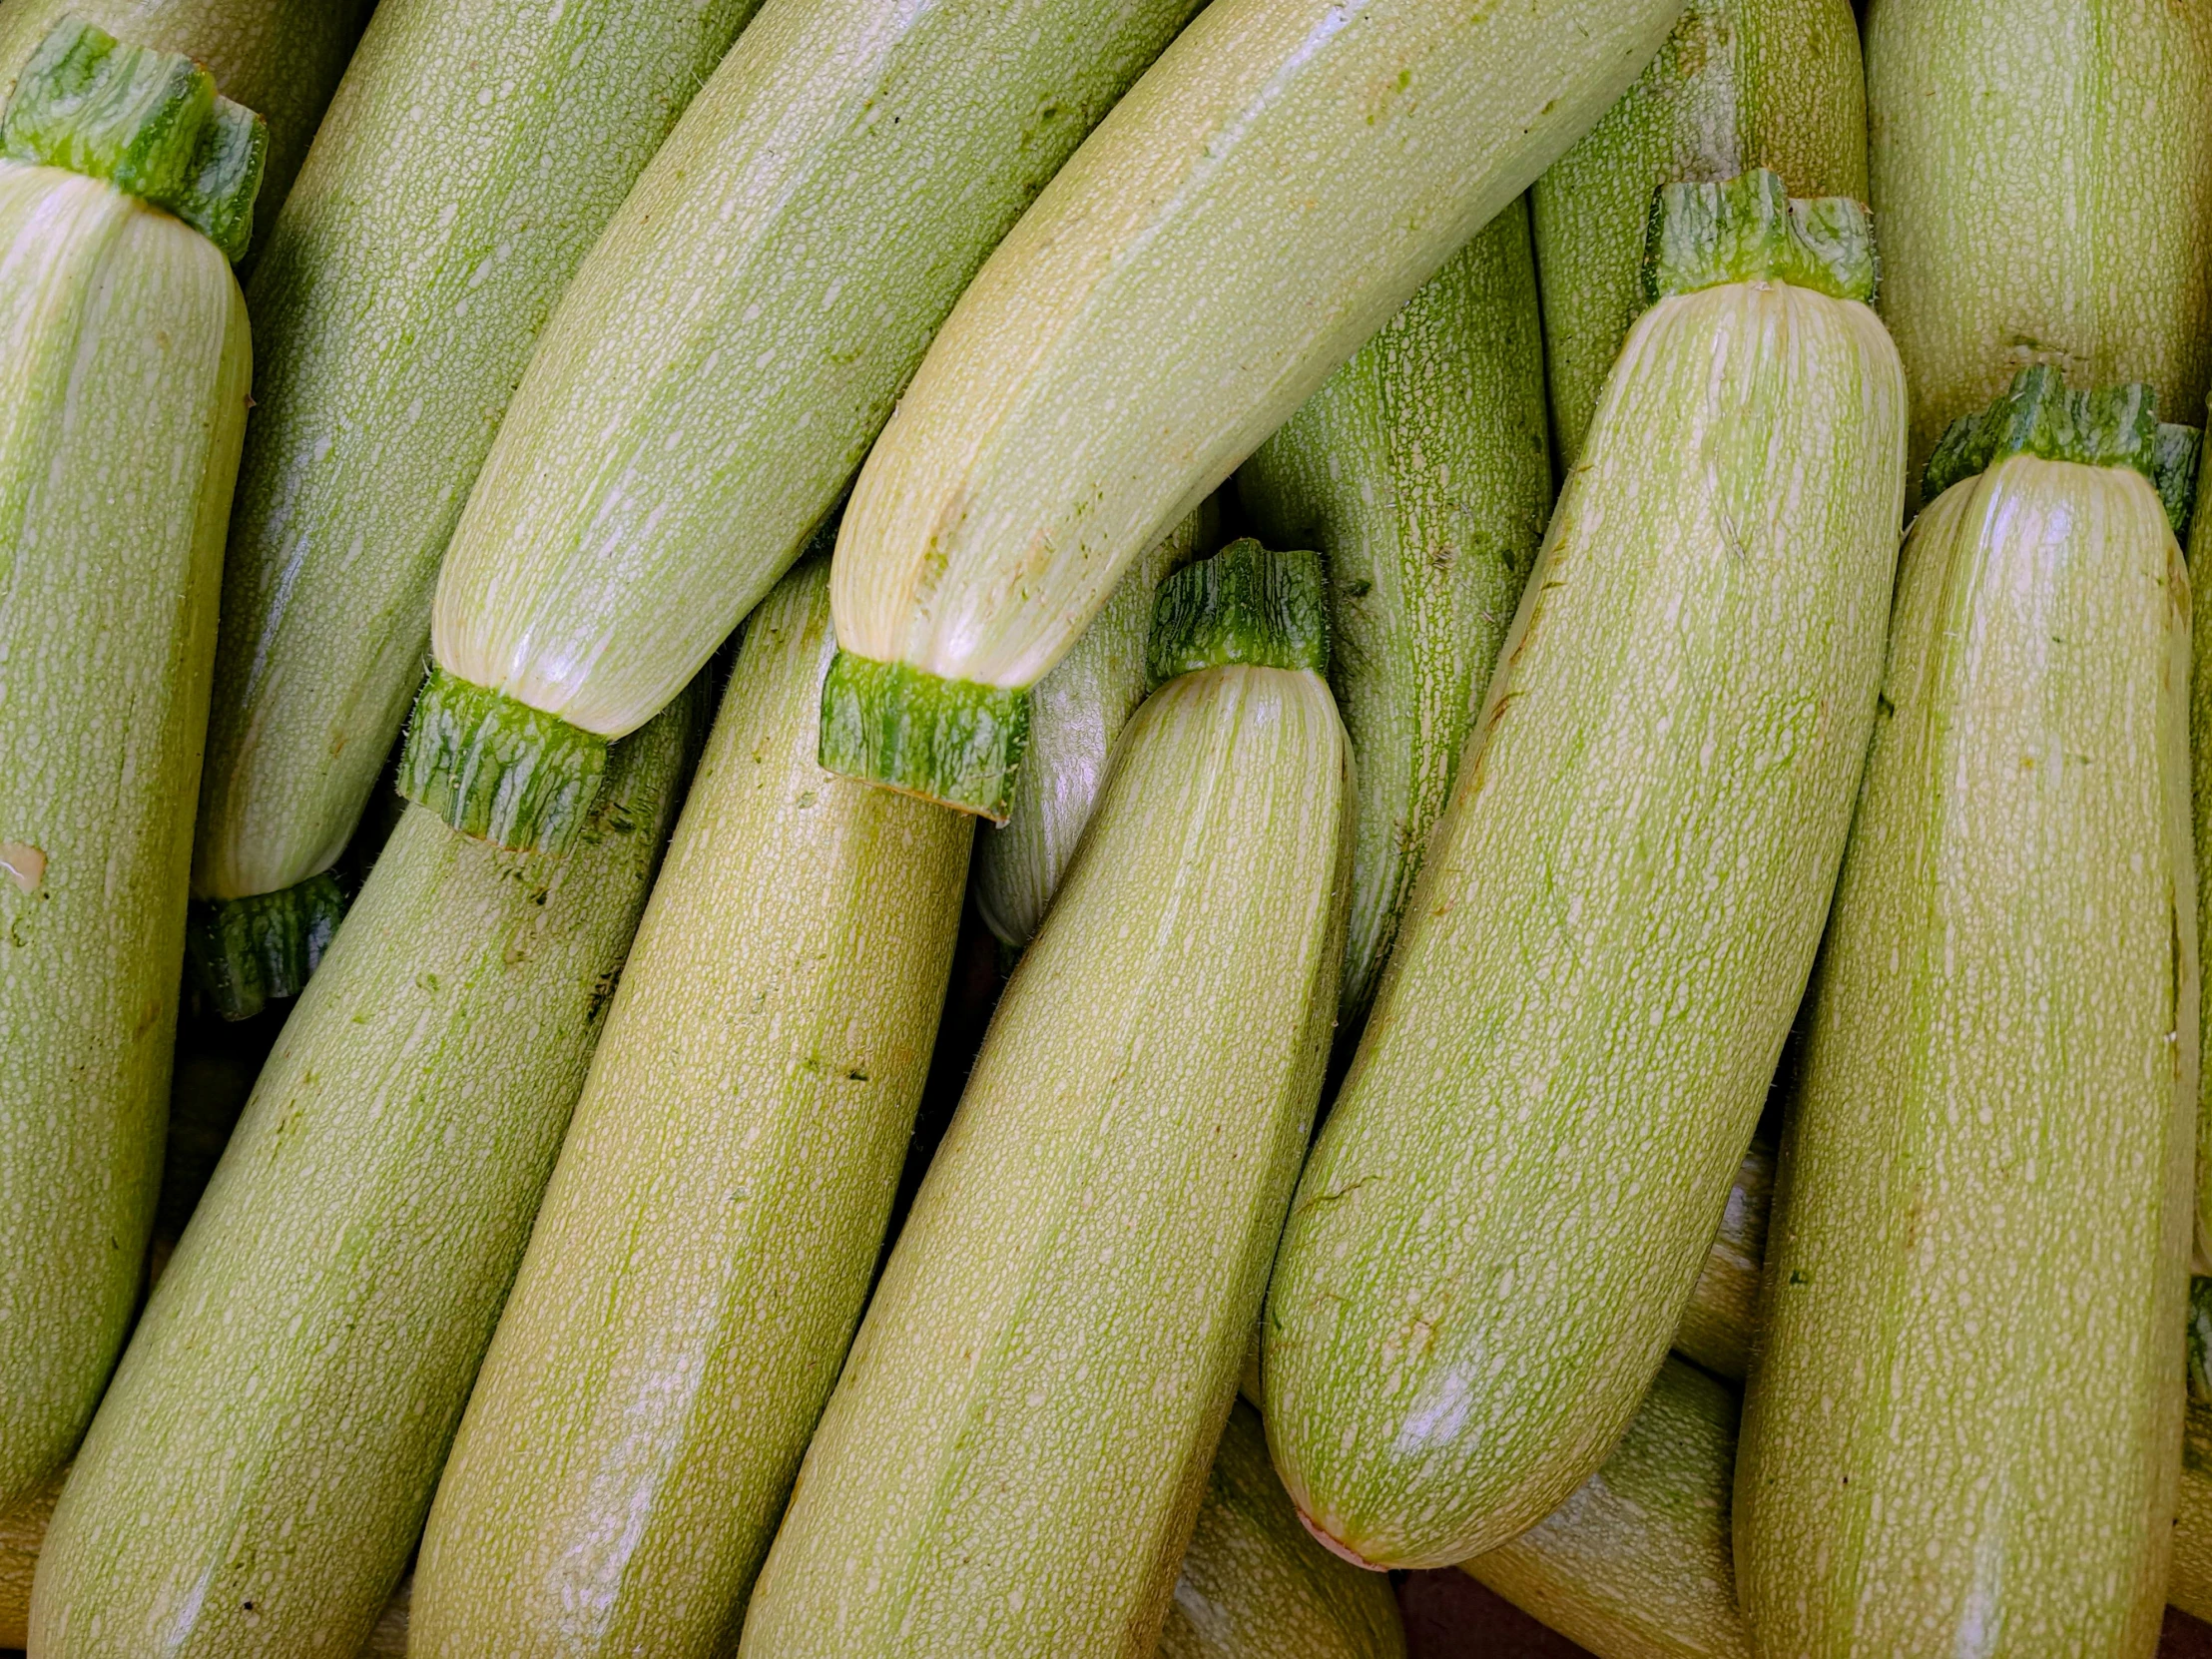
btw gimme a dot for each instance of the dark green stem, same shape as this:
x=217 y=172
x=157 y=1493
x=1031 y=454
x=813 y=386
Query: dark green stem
x=1750 y=230
x=249 y=952
x=498 y=768
x=955 y=741
x=1244 y=605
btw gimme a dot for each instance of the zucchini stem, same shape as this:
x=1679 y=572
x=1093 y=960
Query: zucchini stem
x=1750 y=230
x=249 y=952
x=950 y=741
x=1244 y=605
x=496 y=768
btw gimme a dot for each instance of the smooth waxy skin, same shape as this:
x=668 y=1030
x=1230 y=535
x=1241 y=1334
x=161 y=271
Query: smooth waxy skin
x=1739 y=84
x=124 y=368
x=1420 y=470
x=1522 y=1173
x=1985 y=1195
x=470 y=159
x=1067 y=1306
x=2044 y=194
x=706 y=1244
x=1260 y=204
x=260 y=1467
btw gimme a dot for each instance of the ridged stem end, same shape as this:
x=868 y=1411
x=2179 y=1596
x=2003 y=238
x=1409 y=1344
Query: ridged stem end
x=498 y=768
x=249 y=952
x=1750 y=230
x=148 y=123
x=1244 y=605
x=953 y=742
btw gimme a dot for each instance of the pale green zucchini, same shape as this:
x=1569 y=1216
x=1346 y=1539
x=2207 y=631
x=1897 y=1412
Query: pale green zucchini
x=1985 y=1195
x=2044 y=195
x=1739 y=84
x=471 y=157
x=22 y=1530
x=706 y=1246
x=1723 y=1310
x=1263 y=200
x=2200 y=744
x=124 y=369
x=260 y=1470
x=1013 y=1459
x=1512 y=1200
x=1419 y=471
x=724 y=360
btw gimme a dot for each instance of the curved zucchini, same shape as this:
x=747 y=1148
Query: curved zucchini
x=1739 y=84
x=260 y=1467
x=1986 y=1198
x=2042 y=197
x=1261 y=203
x=1065 y=1309
x=123 y=397
x=1419 y=471
x=1717 y=1321
x=1619 y=913
x=473 y=155
x=706 y=1244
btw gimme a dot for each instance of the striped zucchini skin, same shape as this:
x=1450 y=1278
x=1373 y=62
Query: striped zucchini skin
x=1065 y=1309
x=1986 y=1183
x=2044 y=195
x=706 y=1243
x=473 y=155
x=1739 y=84
x=260 y=1467
x=1615 y=923
x=1723 y=1310
x=124 y=368
x=1420 y=470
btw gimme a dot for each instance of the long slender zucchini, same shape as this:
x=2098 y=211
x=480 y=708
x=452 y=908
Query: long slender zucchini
x=260 y=1467
x=1013 y=1459
x=1510 y=1203
x=706 y=1246
x=1420 y=472
x=474 y=151
x=124 y=369
x=2043 y=195
x=1985 y=1196
x=724 y=360
x=1739 y=84
x=1261 y=201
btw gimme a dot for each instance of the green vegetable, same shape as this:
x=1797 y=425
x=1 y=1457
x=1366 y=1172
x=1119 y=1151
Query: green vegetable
x=1986 y=1198
x=1266 y=198
x=1013 y=1459
x=22 y=1530
x=2200 y=742
x=1419 y=471
x=706 y=1243
x=1618 y=912
x=122 y=397
x=475 y=150
x=260 y=1470
x=1723 y=1310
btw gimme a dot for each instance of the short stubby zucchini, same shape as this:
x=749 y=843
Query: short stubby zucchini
x=260 y=1467
x=1014 y=1458
x=1524 y=1171
x=1263 y=200
x=1963 y=1429
x=125 y=363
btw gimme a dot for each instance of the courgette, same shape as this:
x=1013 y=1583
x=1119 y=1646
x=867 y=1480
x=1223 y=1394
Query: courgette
x=125 y=182
x=707 y=1242
x=1516 y=1190
x=1717 y=1321
x=1420 y=472
x=474 y=151
x=1261 y=201
x=260 y=1470
x=1985 y=1197
x=1013 y=1459
x=1739 y=84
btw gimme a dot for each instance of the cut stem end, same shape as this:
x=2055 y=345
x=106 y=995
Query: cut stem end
x=1242 y=605
x=953 y=742
x=1752 y=230
x=249 y=952
x=498 y=768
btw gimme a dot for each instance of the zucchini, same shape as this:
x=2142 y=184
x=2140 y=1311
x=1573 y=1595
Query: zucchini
x=725 y=358
x=1064 y=1312
x=23 y=1526
x=260 y=1470
x=2001 y=1068
x=1739 y=84
x=1619 y=910
x=1263 y=200
x=2043 y=195
x=707 y=1242
x=2200 y=744
x=473 y=155
x=124 y=368
x=1717 y=1321
x=1420 y=472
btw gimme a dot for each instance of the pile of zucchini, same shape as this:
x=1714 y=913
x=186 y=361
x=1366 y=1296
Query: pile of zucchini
x=1042 y=830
